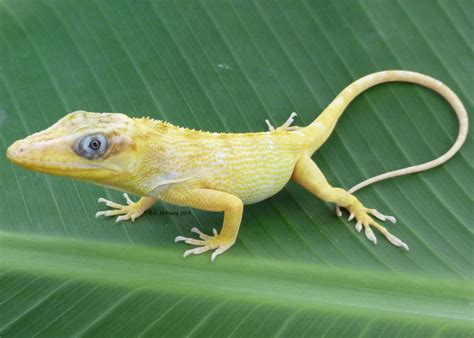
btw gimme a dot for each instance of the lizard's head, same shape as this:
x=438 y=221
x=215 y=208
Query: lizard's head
x=94 y=147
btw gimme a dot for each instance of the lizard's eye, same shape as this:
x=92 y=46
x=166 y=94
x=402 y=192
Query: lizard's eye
x=91 y=146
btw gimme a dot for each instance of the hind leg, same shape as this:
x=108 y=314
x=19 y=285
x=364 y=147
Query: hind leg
x=308 y=175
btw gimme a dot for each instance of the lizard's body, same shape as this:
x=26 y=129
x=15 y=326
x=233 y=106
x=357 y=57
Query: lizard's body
x=210 y=171
x=226 y=161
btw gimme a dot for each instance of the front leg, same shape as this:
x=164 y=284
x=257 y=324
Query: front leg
x=210 y=200
x=308 y=175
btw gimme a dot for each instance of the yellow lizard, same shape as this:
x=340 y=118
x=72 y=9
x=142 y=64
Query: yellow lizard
x=217 y=172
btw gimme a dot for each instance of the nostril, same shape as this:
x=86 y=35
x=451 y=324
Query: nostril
x=16 y=150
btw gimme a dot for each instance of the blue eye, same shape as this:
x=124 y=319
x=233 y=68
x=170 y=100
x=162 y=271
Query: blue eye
x=92 y=146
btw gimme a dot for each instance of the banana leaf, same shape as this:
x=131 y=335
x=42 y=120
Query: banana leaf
x=296 y=268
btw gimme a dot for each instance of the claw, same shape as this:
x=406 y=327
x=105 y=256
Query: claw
x=217 y=252
x=179 y=239
x=207 y=243
x=382 y=217
x=288 y=122
x=188 y=240
x=370 y=234
x=108 y=213
x=194 y=241
x=109 y=203
x=361 y=214
x=338 y=211
x=200 y=233
x=131 y=211
x=391 y=219
x=196 y=251
x=270 y=127
x=284 y=126
x=122 y=218
x=129 y=201
x=396 y=241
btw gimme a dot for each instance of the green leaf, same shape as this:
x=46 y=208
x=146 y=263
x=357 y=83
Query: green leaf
x=296 y=269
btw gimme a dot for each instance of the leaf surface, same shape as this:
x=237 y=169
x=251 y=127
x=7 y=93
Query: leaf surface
x=296 y=269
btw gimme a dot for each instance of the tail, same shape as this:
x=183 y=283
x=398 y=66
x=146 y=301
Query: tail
x=322 y=127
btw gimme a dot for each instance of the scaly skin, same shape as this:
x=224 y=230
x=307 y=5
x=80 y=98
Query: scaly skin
x=210 y=171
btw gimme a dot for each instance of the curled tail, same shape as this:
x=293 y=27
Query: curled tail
x=324 y=124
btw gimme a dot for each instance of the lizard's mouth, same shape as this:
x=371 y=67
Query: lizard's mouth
x=22 y=155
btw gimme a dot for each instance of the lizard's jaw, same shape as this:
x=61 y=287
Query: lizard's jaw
x=58 y=159
x=49 y=160
x=23 y=154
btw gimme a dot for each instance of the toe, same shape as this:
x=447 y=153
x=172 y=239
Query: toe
x=370 y=234
x=188 y=240
x=200 y=233
x=194 y=241
x=129 y=201
x=219 y=250
x=216 y=253
x=122 y=218
x=270 y=127
x=381 y=216
x=179 y=239
x=396 y=241
x=108 y=213
x=110 y=203
x=196 y=251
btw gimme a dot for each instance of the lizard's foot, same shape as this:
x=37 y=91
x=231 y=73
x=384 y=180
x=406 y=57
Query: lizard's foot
x=361 y=214
x=374 y=212
x=131 y=211
x=206 y=243
x=286 y=126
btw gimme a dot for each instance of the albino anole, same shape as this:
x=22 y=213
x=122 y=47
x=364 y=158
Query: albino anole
x=212 y=171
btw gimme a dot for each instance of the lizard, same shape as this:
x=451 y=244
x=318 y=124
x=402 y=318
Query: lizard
x=217 y=172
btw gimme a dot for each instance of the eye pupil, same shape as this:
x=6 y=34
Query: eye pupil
x=94 y=145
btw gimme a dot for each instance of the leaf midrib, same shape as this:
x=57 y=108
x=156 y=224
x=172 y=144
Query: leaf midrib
x=298 y=284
